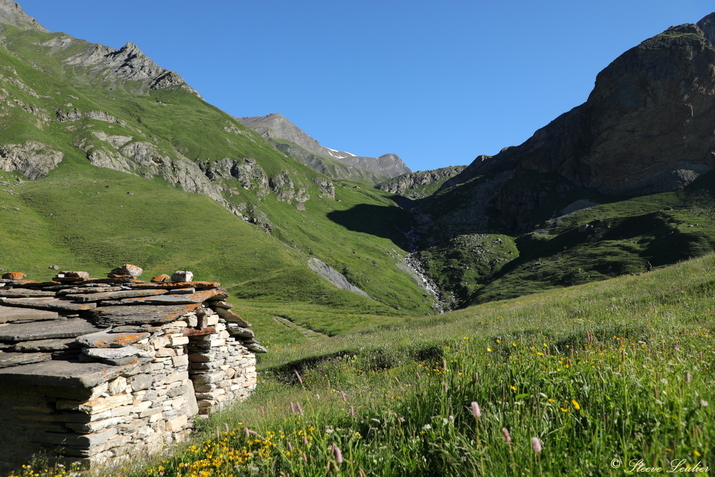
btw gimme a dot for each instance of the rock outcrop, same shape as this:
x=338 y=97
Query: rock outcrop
x=333 y=276
x=413 y=185
x=13 y=14
x=32 y=159
x=128 y=64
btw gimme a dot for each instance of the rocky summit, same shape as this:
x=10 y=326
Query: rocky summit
x=297 y=143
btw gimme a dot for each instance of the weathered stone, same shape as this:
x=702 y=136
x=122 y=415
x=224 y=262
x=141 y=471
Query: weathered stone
x=114 y=353
x=39 y=330
x=74 y=276
x=141 y=381
x=9 y=314
x=8 y=360
x=95 y=406
x=139 y=314
x=232 y=317
x=13 y=276
x=110 y=339
x=127 y=269
x=48 y=303
x=256 y=348
x=47 y=345
x=170 y=299
x=182 y=276
x=115 y=295
x=60 y=378
x=24 y=293
x=236 y=330
x=161 y=278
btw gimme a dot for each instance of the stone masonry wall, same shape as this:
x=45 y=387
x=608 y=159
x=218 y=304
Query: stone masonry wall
x=75 y=389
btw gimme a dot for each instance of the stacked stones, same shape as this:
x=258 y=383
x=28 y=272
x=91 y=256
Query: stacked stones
x=91 y=369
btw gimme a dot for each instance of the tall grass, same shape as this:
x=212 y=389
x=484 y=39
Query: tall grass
x=613 y=378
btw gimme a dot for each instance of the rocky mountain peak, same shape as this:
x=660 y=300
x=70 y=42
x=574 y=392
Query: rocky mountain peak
x=11 y=13
x=707 y=25
x=128 y=63
x=277 y=127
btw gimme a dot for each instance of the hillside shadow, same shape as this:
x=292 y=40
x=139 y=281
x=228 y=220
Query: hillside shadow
x=387 y=222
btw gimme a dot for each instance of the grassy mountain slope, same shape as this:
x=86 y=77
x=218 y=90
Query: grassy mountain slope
x=157 y=147
x=608 y=377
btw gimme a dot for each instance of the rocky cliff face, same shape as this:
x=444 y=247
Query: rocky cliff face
x=276 y=128
x=646 y=127
x=416 y=185
x=12 y=14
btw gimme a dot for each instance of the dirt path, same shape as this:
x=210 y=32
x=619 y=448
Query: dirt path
x=307 y=332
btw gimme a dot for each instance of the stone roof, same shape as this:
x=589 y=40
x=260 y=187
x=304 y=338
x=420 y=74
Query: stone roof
x=78 y=319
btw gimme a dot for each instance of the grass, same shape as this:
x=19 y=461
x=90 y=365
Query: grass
x=610 y=378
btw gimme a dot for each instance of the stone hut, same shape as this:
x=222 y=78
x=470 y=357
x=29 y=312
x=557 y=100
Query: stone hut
x=93 y=369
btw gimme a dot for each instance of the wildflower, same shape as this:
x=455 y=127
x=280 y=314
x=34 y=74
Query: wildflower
x=451 y=419
x=489 y=349
x=576 y=405
x=512 y=387
x=536 y=444
x=687 y=376
x=300 y=409
x=427 y=427
x=343 y=396
x=352 y=411
x=507 y=437
x=476 y=412
x=696 y=453
x=305 y=457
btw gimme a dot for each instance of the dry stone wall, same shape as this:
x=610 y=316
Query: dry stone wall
x=95 y=369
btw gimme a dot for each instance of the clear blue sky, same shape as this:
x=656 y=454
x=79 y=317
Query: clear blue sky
x=437 y=82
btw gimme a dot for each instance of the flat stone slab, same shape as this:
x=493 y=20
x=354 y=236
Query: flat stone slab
x=232 y=317
x=47 y=304
x=171 y=299
x=174 y=285
x=9 y=314
x=38 y=330
x=24 y=293
x=113 y=295
x=111 y=339
x=47 y=345
x=8 y=360
x=107 y=316
x=68 y=379
x=115 y=353
x=96 y=288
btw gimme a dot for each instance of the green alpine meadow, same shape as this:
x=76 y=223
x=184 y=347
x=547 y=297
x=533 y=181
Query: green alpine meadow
x=549 y=310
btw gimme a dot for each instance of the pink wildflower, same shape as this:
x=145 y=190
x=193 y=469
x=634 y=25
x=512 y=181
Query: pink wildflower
x=536 y=444
x=476 y=412
x=507 y=437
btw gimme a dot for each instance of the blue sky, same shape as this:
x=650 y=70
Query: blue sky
x=437 y=82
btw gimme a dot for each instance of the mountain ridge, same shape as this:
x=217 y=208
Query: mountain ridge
x=279 y=129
